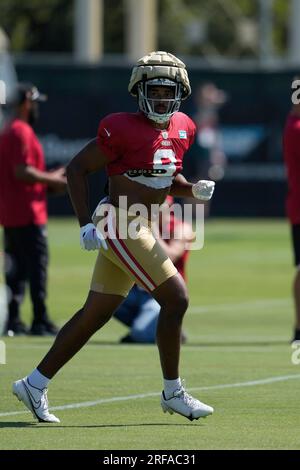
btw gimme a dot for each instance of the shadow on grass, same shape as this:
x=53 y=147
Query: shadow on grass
x=17 y=424
x=10 y=424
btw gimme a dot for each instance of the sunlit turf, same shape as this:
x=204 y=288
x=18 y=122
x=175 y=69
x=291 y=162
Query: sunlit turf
x=238 y=325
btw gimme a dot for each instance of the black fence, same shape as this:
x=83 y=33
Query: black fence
x=251 y=123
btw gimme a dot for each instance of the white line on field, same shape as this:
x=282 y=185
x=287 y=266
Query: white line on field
x=230 y=348
x=223 y=307
x=87 y=404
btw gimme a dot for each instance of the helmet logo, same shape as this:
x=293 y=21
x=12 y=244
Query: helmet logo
x=182 y=134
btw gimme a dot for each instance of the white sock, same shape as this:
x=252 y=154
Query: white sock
x=170 y=386
x=38 y=380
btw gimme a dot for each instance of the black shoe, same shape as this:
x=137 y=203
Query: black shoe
x=296 y=336
x=43 y=328
x=16 y=328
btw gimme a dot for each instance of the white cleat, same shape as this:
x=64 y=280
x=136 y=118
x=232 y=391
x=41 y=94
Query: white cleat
x=186 y=405
x=35 y=400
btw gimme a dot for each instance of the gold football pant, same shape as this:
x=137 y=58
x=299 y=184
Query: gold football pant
x=134 y=256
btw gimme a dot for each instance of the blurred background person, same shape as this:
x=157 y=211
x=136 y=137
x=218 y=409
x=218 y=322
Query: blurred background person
x=210 y=160
x=207 y=158
x=291 y=149
x=140 y=311
x=23 y=211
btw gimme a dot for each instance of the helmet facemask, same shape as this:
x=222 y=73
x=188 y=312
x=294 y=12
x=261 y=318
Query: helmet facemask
x=159 y=109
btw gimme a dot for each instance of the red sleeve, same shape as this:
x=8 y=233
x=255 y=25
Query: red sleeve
x=21 y=147
x=109 y=137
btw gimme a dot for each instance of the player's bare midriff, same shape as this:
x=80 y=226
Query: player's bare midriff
x=136 y=193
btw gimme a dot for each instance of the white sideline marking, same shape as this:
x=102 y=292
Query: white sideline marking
x=230 y=348
x=86 y=404
x=224 y=307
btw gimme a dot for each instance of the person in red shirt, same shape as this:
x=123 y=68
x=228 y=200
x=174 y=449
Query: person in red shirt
x=140 y=311
x=143 y=154
x=291 y=150
x=23 y=211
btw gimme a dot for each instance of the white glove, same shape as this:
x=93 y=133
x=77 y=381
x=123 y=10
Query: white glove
x=203 y=190
x=91 y=238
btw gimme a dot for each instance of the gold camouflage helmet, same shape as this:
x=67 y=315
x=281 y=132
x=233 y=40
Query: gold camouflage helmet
x=159 y=64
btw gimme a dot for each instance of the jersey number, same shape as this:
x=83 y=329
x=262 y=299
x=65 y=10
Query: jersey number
x=165 y=159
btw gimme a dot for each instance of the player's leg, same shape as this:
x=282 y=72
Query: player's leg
x=97 y=310
x=108 y=288
x=144 y=326
x=173 y=298
x=32 y=390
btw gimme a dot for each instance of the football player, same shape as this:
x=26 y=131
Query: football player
x=142 y=153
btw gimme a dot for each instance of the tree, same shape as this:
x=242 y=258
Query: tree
x=47 y=26
x=32 y=25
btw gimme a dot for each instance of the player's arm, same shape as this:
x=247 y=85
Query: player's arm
x=89 y=160
x=23 y=161
x=202 y=190
x=181 y=187
x=30 y=175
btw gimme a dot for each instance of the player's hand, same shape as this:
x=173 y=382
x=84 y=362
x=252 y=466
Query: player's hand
x=57 y=181
x=91 y=238
x=59 y=171
x=203 y=189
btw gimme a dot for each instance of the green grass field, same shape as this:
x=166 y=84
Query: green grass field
x=238 y=357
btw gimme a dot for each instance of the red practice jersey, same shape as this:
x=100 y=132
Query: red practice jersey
x=20 y=203
x=132 y=144
x=291 y=147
